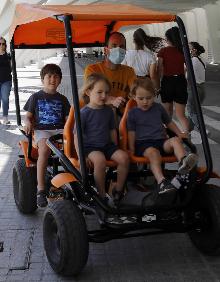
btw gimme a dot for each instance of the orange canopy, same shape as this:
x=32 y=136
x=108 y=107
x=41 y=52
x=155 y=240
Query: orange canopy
x=37 y=25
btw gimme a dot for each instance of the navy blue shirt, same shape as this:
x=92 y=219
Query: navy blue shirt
x=96 y=126
x=148 y=125
x=49 y=110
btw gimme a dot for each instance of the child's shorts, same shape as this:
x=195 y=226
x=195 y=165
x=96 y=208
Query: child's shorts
x=142 y=145
x=108 y=150
x=40 y=134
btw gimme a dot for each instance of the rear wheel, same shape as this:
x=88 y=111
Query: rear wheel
x=205 y=213
x=65 y=237
x=25 y=187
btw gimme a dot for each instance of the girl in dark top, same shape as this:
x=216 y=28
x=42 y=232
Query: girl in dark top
x=100 y=136
x=5 y=79
x=173 y=82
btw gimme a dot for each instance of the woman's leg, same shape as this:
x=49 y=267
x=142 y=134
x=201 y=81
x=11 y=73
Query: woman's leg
x=5 y=93
x=180 y=114
x=169 y=108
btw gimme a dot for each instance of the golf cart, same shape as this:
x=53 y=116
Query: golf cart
x=74 y=196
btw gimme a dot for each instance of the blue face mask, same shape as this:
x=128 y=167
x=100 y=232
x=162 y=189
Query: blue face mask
x=116 y=55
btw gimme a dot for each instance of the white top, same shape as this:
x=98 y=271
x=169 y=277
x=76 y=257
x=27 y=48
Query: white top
x=140 y=61
x=199 y=70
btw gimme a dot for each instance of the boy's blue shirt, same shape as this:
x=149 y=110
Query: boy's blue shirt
x=149 y=124
x=49 y=110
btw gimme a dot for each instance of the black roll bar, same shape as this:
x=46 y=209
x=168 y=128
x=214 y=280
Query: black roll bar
x=15 y=82
x=192 y=82
x=66 y=19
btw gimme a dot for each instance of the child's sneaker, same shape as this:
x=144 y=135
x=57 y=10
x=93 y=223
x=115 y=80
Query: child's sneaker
x=166 y=187
x=41 y=199
x=181 y=180
x=188 y=163
x=117 y=196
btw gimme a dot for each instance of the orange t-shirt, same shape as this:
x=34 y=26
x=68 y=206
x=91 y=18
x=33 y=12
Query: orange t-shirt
x=121 y=79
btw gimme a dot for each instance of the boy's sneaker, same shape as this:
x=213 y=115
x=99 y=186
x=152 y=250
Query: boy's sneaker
x=41 y=199
x=187 y=163
x=181 y=180
x=166 y=187
x=117 y=196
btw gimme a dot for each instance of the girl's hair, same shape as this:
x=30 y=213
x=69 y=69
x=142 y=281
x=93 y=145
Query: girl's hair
x=90 y=82
x=141 y=39
x=173 y=36
x=50 y=69
x=143 y=83
x=199 y=48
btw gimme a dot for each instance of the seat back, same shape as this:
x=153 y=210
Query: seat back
x=68 y=138
x=123 y=133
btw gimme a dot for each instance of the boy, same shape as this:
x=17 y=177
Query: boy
x=47 y=111
x=147 y=136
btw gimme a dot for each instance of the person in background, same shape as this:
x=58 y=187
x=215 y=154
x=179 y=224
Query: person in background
x=199 y=68
x=141 y=59
x=5 y=79
x=120 y=76
x=172 y=73
x=47 y=111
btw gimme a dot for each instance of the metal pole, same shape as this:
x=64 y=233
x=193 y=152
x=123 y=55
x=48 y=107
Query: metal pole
x=75 y=96
x=192 y=81
x=15 y=82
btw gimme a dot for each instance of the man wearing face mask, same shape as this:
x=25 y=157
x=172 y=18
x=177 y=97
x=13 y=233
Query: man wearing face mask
x=120 y=76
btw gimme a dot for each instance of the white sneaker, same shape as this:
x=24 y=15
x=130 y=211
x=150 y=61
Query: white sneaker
x=5 y=120
x=188 y=163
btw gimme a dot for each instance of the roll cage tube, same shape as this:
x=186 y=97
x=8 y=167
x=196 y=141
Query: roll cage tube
x=15 y=82
x=66 y=19
x=192 y=80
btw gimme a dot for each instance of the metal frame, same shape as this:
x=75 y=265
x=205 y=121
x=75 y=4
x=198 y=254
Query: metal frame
x=192 y=80
x=66 y=20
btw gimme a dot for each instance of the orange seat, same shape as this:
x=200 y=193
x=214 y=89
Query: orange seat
x=68 y=140
x=124 y=138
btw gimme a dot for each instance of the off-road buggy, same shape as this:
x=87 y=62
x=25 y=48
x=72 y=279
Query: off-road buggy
x=195 y=210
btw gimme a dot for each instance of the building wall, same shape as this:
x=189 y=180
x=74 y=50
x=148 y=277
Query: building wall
x=202 y=25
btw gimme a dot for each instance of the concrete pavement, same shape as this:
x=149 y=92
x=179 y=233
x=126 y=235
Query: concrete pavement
x=170 y=257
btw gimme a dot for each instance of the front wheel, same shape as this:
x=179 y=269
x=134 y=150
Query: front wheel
x=65 y=237
x=205 y=214
x=25 y=187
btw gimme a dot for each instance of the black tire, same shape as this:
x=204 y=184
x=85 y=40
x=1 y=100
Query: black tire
x=65 y=237
x=205 y=212
x=25 y=187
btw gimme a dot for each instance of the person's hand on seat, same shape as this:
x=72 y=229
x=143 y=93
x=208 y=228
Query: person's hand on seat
x=28 y=127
